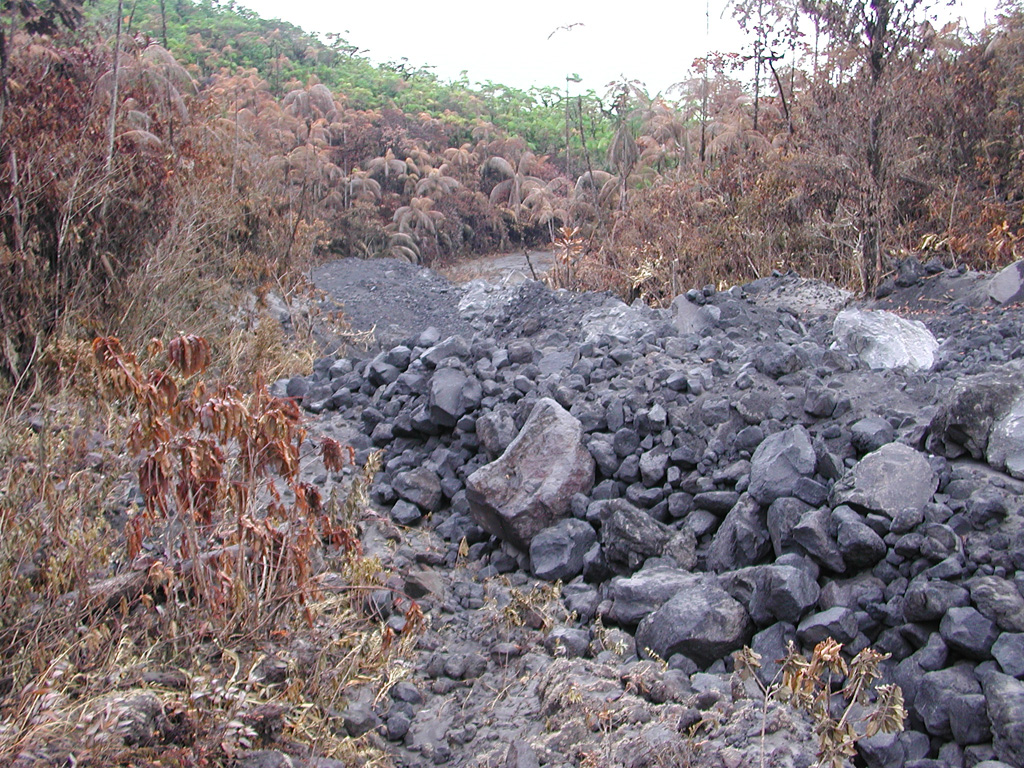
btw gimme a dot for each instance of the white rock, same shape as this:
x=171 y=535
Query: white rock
x=884 y=340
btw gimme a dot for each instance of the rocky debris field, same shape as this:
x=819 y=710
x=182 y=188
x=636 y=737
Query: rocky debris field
x=596 y=504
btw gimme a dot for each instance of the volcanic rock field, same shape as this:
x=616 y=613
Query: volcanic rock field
x=595 y=505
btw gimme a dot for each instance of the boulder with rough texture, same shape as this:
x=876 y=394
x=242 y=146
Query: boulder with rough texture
x=634 y=597
x=881 y=339
x=966 y=631
x=935 y=692
x=1007 y=286
x=779 y=463
x=1005 y=699
x=495 y=431
x=452 y=395
x=929 y=600
x=889 y=480
x=1006 y=441
x=838 y=623
x=532 y=483
x=557 y=551
x=1008 y=650
x=420 y=486
x=773 y=593
x=970 y=412
x=858 y=543
x=701 y=621
x=998 y=600
x=630 y=536
x=693 y=318
x=741 y=540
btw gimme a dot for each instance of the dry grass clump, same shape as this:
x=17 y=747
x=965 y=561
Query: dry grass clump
x=171 y=591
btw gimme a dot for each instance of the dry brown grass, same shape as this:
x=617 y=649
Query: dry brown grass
x=123 y=646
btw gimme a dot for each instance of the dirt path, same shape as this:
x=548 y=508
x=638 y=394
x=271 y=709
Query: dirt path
x=499 y=266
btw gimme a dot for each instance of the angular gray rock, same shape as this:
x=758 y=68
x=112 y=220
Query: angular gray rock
x=701 y=621
x=1007 y=285
x=741 y=540
x=1008 y=651
x=998 y=600
x=773 y=593
x=838 y=623
x=452 y=395
x=929 y=600
x=967 y=415
x=815 y=533
x=871 y=433
x=420 y=486
x=966 y=631
x=629 y=536
x=889 y=480
x=858 y=543
x=936 y=690
x=495 y=431
x=1005 y=699
x=1006 y=441
x=532 y=483
x=634 y=597
x=881 y=339
x=779 y=463
x=557 y=551
x=689 y=318
x=783 y=515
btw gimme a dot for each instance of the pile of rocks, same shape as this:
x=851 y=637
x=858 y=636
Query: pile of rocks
x=754 y=466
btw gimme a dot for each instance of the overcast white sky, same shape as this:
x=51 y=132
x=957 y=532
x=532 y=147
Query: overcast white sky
x=513 y=44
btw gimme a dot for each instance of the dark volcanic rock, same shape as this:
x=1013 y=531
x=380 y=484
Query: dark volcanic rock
x=741 y=540
x=630 y=536
x=557 y=552
x=983 y=416
x=701 y=621
x=936 y=691
x=420 y=486
x=531 y=485
x=779 y=463
x=889 y=480
x=634 y=597
x=1005 y=699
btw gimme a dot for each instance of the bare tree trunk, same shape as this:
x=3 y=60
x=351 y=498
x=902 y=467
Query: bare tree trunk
x=163 y=22
x=114 y=95
x=6 y=39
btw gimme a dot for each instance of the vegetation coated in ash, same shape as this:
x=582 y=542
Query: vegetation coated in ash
x=168 y=168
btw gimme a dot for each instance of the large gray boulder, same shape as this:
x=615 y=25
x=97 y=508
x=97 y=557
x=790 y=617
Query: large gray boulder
x=690 y=318
x=701 y=621
x=1007 y=285
x=742 y=539
x=773 y=593
x=881 y=339
x=419 y=486
x=1006 y=441
x=532 y=483
x=983 y=416
x=629 y=536
x=779 y=463
x=935 y=692
x=556 y=553
x=998 y=600
x=634 y=597
x=452 y=395
x=1005 y=698
x=889 y=480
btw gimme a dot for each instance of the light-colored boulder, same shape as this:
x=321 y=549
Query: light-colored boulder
x=881 y=339
x=530 y=486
